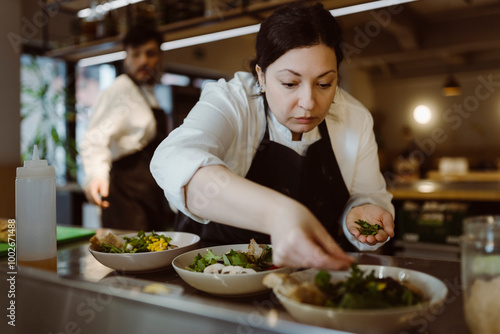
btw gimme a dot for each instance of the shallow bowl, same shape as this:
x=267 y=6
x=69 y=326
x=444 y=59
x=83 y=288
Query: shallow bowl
x=394 y=320
x=226 y=285
x=148 y=261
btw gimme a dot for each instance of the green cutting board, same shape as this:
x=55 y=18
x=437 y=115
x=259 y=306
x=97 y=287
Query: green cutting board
x=65 y=234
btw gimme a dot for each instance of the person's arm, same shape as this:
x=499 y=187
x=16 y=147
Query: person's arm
x=299 y=239
x=370 y=200
x=95 y=148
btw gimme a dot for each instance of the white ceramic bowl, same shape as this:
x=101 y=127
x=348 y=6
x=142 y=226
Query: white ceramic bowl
x=393 y=320
x=226 y=285
x=148 y=261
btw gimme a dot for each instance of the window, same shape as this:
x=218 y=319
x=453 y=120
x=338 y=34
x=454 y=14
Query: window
x=43 y=111
x=90 y=81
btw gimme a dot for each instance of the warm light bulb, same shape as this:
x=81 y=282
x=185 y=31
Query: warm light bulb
x=422 y=114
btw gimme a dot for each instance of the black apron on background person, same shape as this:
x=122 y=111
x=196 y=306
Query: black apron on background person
x=136 y=201
x=314 y=180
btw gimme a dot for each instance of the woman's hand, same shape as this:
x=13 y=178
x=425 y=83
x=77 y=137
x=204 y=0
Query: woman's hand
x=97 y=189
x=300 y=240
x=373 y=214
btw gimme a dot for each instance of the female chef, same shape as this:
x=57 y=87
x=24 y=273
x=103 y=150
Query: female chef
x=282 y=152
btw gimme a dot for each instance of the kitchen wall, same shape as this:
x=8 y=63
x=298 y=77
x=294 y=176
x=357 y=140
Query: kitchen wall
x=461 y=125
x=10 y=11
x=464 y=125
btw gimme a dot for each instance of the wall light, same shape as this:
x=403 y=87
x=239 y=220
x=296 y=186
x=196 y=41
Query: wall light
x=216 y=36
x=422 y=114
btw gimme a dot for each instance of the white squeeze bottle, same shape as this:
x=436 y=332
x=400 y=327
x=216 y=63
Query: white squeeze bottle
x=36 y=214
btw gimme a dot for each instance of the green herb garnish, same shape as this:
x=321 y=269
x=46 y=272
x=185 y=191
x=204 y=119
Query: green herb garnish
x=368 y=229
x=365 y=291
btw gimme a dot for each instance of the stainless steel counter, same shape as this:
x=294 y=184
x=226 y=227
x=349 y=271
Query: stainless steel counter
x=76 y=300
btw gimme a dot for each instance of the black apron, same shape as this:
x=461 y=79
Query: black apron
x=314 y=180
x=136 y=201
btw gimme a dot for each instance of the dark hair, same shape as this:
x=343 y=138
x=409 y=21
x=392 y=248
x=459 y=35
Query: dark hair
x=140 y=35
x=294 y=25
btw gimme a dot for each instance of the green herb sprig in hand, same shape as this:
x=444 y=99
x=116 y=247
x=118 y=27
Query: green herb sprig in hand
x=368 y=229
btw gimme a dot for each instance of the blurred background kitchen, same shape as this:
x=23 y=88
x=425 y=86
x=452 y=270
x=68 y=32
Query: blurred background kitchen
x=428 y=70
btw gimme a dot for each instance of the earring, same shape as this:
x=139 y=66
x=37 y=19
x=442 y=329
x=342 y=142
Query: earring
x=262 y=89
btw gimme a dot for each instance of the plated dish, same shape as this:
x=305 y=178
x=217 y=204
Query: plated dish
x=387 y=320
x=147 y=261
x=219 y=284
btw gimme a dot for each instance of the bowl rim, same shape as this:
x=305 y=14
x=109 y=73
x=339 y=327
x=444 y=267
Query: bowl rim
x=197 y=240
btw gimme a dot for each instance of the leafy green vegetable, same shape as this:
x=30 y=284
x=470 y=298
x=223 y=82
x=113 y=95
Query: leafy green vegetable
x=210 y=257
x=139 y=243
x=366 y=228
x=110 y=248
x=267 y=256
x=233 y=258
x=365 y=291
x=322 y=280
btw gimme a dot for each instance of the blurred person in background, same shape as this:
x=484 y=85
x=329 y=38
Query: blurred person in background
x=125 y=127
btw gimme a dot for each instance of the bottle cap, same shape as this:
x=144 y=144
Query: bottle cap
x=35 y=167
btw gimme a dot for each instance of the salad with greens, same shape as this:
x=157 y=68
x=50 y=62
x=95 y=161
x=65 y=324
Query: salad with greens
x=256 y=258
x=140 y=243
x=365 y=291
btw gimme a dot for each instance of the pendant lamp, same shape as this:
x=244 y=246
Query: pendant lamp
x=451 y=86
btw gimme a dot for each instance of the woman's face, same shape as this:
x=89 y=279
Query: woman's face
x=300 y=87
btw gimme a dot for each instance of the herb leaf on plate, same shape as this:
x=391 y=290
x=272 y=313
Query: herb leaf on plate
x=365 y=291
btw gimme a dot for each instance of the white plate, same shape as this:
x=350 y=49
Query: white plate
x=393 y=320
x=226 y=285
x=148 y=261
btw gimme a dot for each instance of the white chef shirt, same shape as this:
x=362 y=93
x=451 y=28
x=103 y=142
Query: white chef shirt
x=121 y=123
x=227 y=125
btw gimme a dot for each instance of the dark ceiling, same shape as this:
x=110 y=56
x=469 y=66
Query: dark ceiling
x=424 y=37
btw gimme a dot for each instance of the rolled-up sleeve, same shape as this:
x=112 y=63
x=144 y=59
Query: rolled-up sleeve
x=214 y=133
x=369 y=186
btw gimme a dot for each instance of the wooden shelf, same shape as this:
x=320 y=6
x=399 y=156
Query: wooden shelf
x=197 y=26
x=235 y=18
x=428 y=189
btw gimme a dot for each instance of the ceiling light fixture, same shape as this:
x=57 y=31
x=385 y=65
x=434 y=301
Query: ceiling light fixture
x=102 y=59
x=106 y=7
x=216 y=36
x=451 y=86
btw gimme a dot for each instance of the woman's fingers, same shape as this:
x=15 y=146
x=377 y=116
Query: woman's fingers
x=316 y=251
